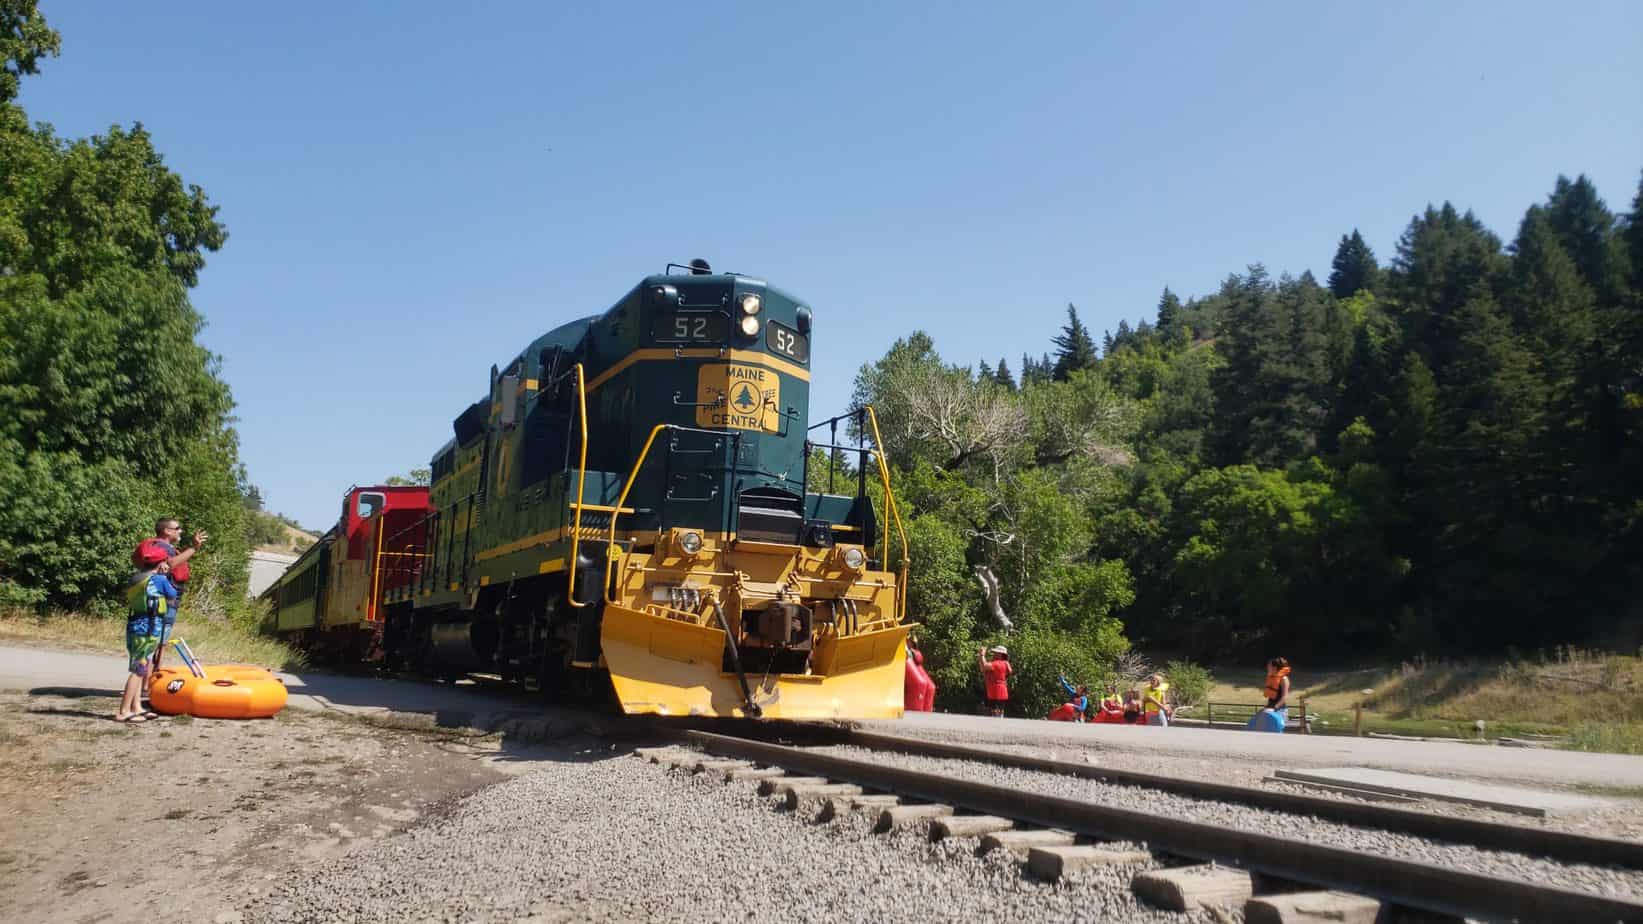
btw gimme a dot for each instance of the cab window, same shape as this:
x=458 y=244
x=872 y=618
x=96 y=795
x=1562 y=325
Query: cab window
x=369 y=503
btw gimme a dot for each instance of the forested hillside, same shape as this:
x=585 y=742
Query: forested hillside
x=1442 y=452
x=111 y=413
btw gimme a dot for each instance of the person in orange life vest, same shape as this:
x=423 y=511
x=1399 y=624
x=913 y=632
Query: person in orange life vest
x=995 y=672
x=1275 y=715
x=1153 y=701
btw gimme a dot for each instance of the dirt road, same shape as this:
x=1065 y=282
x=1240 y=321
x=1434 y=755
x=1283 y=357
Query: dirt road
x=106 y=822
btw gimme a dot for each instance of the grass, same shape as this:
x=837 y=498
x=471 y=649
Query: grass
x=1594 y=700
x=215 y=640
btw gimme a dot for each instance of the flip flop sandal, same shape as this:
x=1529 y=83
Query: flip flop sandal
x=136 y=718
x=148 y=715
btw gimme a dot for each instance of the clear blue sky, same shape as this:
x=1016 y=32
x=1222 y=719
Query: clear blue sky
x=414 y=191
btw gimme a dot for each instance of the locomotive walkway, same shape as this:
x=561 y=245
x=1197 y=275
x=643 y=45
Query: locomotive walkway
x=471 y=706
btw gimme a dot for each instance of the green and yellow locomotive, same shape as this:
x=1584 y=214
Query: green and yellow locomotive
x=630 y=499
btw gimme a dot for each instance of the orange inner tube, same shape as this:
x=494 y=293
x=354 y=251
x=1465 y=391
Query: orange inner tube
x=227 y=691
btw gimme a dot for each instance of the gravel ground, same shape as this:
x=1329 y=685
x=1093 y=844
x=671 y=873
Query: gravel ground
x=611 y=837
x=1601 y=880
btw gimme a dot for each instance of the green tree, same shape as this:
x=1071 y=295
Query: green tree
x=416 y=476
x=111 y=414
x=1354 y=268
x=1002 y=375
x=1074 y=348
x=1583 y=224
x=1444 y=257
x=24 y=40
x=1170 y=326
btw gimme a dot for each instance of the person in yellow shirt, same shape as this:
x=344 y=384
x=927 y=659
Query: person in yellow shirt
x=1154 y=701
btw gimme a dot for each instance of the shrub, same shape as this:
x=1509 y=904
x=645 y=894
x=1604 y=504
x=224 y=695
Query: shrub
x=1189 y=682
x=1610 y=737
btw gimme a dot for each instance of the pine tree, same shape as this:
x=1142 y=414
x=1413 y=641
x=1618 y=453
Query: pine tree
x=1584 y=226
x=1494 y=566
x=1354 y=268
x=1169 y=315
x=1444 y=257
x=985 y=373
x=1123 y=337
x=1002 y=375
x=1548 y=301
x=1633 y=236
x=1074 y=349
x=1244 y=336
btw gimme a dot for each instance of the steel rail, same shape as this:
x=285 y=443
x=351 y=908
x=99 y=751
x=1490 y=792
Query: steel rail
x=1492 y=835
x=1399 y=882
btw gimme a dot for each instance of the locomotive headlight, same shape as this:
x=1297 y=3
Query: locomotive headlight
x=749 y=325
x=854 y=559
x=750 y=304
x=690 y=542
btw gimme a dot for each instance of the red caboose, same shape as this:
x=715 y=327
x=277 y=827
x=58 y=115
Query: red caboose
x=330 y=599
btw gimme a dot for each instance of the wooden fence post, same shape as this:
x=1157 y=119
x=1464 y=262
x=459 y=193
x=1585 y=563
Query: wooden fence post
x=1306 y=718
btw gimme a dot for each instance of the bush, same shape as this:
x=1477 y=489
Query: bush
x=1608 y=737
x=1189 y=682
x=67 y=527
x=263 y=529
x=16 y=596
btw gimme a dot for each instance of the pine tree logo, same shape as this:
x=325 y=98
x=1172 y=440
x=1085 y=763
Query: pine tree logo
x=736 y=396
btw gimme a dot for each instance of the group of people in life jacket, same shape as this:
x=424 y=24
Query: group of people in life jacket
x=1142 y=705
x=1147 y=705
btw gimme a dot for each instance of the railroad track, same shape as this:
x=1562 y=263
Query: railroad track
x=1272 y=877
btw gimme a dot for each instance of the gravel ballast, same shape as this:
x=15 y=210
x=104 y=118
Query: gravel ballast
x=605 y=836
x=1599 y=880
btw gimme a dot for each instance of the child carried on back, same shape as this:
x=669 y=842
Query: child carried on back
x=150 y=614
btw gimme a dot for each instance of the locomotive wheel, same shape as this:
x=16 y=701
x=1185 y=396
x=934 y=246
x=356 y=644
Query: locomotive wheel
x=592 y=687
x=553 y=675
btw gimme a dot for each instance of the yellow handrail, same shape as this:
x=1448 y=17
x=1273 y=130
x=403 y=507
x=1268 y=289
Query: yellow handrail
x=372 y=610
x=890 y=502
x=622 y=501
x=884 y=475
x=581 y=486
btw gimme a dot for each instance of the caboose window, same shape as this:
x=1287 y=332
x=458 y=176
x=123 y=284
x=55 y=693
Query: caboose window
x=689 y=327
x=370 y=504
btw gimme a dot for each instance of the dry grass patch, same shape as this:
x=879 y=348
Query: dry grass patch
x=216 y=640
x=1593 y=698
